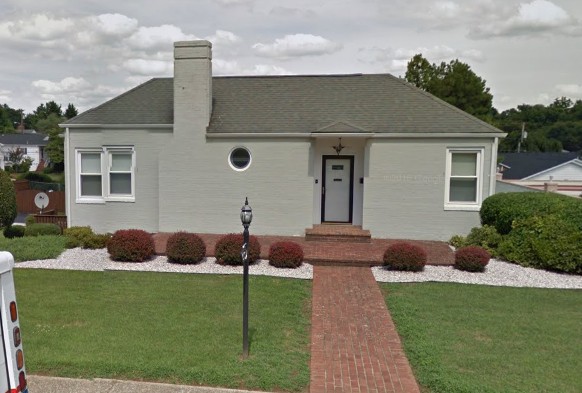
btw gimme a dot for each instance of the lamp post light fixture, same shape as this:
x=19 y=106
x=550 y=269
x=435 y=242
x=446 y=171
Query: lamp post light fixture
x=246 y=216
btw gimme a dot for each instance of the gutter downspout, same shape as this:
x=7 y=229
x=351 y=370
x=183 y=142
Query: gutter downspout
x=493 y=175
x=67 y=178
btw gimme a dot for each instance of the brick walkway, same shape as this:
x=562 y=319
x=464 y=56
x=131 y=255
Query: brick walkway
x=354 y=344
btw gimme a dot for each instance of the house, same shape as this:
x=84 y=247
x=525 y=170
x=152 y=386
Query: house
x=550 y=171
x=182 y=153
x=31 y=144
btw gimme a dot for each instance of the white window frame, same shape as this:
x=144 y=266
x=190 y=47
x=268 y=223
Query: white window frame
x=106 y=153
x=92 y=198
x=109 y=161
x=457 y=205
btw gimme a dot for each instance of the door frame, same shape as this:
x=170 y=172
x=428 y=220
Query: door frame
x=324 y=159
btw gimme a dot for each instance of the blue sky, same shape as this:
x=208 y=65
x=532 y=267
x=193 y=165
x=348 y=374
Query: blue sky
x=85 y=52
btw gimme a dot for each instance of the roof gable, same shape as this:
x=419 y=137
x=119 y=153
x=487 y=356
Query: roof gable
x=340 y=127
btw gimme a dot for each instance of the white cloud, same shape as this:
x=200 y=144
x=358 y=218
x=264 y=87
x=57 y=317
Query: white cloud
x=235 y=2
x=157 y=37
x=223 y=37
x=570 y=90
x=148 y=67
x=37 y=27
x=267 y=69
x=115 y=24
x=67 y=85
x=225 y=67
x=5 y=95
x=533 y=18
x=297 y=45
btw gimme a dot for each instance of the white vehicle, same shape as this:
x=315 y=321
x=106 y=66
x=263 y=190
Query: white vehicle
x=12 y=372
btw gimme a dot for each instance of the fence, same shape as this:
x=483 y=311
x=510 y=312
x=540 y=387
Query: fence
x=51 y=219
x=25 y=198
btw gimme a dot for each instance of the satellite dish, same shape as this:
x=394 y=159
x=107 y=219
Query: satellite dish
x=41 y=200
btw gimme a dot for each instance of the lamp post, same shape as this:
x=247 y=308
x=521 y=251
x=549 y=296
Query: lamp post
x=246 y=216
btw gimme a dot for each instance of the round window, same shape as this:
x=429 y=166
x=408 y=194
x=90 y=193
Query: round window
x=240 y=158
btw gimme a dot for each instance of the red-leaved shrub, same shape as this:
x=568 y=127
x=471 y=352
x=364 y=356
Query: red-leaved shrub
x=131 y=245
x=405 y=256
x=286 y=254
x=228 y=247
x=185 y=248
x=472 y=259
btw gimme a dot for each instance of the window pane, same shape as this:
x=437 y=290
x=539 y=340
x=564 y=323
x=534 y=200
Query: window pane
x=464 y=164
x=463 y=190
x=240 y=158
x=120 y=183
x=90 y=185
x=121 y=162
x=90 y=162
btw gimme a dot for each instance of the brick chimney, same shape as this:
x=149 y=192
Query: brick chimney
x=192 y=86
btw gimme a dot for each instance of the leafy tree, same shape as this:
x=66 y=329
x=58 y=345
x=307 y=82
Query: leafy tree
x=453 y=82
x=49 y=123
x=55 y=150
x=8 y=208
x=9 y=118
x=43 y=111
x=71 y=111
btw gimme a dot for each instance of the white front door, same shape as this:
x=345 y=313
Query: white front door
x=337 y=189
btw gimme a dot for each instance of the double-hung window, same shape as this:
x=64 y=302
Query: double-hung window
x=464 y=179
x=106 y=174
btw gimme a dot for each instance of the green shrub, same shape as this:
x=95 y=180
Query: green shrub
x=36 y=176
x=228 y=247
x=42 y=229
x=547 y=242
x=7 y=200
x=29 y=220
x=14 y=231
x=471 y=259
x=405 y=256
x=96 y=241
x=131 y=245
x=77 y=236
x=458 y=241
x=486 y=237
x=286 y=255
x=500 y=210
x=185 y=248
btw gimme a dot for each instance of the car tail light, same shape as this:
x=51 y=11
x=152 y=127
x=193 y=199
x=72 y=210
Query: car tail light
x=19 y=359
x=22 y=380
x=16 y=335
x=13 y=312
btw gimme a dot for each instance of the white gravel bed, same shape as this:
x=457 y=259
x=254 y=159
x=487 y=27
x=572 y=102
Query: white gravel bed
x=98 y=260
x=497 y=273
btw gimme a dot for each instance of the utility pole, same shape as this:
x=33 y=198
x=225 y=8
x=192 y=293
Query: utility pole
x=522 y=137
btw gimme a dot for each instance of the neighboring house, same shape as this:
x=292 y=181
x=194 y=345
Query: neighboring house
x=31 y=144
x=561 y=172
x=182 y=153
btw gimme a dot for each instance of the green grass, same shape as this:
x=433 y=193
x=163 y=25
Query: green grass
x=469 y=338
x=176 y=328
x=33 y=247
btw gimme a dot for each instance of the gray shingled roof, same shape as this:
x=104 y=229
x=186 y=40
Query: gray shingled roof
x=378 y=103
x=521 y=165
x=24 y=139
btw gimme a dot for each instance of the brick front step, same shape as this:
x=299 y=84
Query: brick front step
x=336 y=262
x=338 y=233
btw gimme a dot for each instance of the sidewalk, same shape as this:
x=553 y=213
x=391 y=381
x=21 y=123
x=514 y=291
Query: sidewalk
x=40 y=384
x=354 y=344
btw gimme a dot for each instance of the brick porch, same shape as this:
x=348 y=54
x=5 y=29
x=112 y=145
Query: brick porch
x=331 y=252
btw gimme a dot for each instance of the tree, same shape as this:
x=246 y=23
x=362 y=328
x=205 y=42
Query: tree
x=8 y=209
x=9 y=119
x=453 y=82
x=71 y=111
x=55 y=150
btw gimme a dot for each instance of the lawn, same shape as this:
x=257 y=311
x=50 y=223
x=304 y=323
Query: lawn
x=176 y=328
x=472 y=338
x=31 y=248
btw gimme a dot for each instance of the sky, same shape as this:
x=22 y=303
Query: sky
x=88 y=51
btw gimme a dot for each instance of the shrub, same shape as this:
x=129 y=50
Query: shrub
x=76 y=236
x=29 y=220
x=228 y=247
x=546 y=242
x=405 y=256
x=96 y=241
x=486 y=237
x=472 y=259
x=458 y=241
x=7 y=200
x=42 y=229
x=500 y=210
x=14 y=231
x=185 y=248
x=131 y=245
x=36 y=176
x=286 y=254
